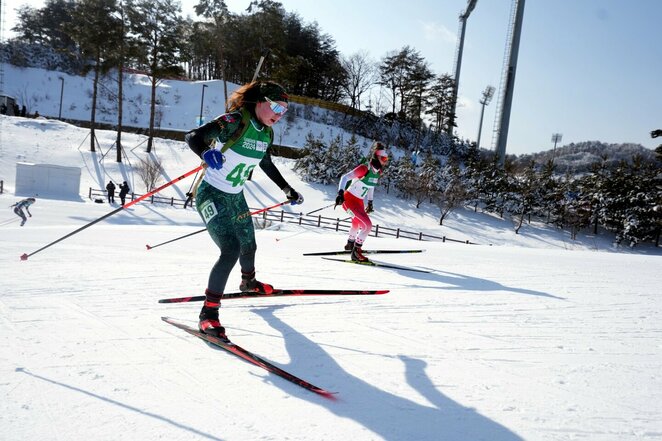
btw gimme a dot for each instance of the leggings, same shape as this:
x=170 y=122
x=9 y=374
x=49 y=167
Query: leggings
x=361 y=223
x=20 y=213
x=232 y=233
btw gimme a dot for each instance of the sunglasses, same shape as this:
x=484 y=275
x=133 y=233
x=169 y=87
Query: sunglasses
x=276 y=108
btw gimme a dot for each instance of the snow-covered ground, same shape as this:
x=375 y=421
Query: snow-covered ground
x=536 y=337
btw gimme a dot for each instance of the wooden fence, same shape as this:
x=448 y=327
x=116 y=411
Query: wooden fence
x=172 y=201
x=317 y=221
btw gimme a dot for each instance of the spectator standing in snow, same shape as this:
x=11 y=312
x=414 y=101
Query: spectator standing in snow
x=110 y=188
x=124 y=190
x=243 y=136
x=189 y=199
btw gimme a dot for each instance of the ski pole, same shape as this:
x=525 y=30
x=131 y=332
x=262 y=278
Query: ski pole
x=149 y=247
x=241 y=216
x=320 y=209
x=305 y=231
x=143 y=197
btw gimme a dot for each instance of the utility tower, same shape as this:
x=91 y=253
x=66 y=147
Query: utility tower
x=556 y=138
x=507 y=87
x=484 y=101
x=471 y=4
x=2 y=39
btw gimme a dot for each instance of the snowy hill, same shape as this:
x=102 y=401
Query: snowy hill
x=577 y=158
x=178 y=102
x=525 y=339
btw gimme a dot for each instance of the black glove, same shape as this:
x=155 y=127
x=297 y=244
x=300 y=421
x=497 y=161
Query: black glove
x=292 y=196
x=370 y=208
x=340 y=199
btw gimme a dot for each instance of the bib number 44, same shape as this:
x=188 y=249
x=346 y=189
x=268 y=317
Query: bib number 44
x=239 y=174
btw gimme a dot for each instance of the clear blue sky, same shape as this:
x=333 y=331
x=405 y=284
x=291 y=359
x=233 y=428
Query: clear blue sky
x=588 y=69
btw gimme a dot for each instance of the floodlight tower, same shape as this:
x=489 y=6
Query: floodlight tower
x=488 y=93
x=556 y=137
x=2 y=39
x=507 y=87
x=471 y=4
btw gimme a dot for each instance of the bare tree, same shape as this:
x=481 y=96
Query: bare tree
x=362 y=74
x=149 y=172
x=450 y=198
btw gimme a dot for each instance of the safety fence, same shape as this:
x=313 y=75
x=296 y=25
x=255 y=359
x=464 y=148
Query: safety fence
x=172 y=201
x=337 y=224
x=305 y=220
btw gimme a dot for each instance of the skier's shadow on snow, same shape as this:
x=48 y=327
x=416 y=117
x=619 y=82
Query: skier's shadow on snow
x=389 y=416
x=457 y=281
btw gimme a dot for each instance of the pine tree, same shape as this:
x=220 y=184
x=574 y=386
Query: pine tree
x=88 y=18
x=157 y=25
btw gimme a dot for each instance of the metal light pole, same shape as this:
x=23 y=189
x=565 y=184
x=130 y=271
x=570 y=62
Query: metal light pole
x=471 y=4
x=59 y=116
x=556 y=137
x=488 y=93
x=508 y=81
x=202 y=102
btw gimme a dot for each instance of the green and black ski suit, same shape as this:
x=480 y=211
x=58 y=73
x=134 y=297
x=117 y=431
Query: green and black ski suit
x=220 y=198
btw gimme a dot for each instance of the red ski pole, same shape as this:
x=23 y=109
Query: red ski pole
x=135 y=201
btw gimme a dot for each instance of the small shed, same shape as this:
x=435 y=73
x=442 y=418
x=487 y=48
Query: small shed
x=47 y=180
x=8 y=103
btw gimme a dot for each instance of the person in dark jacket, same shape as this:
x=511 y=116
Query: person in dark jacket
x=124 y=190
x=243 y=138
x=189 y=199
x=110 y=188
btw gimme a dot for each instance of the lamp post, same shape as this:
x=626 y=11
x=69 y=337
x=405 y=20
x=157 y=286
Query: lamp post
x=59 y=116
x=556 y=137
x=488 y=93
x=202 y=100
x=471 y=4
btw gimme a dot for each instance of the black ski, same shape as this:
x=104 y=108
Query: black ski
x=336 y=253
x=240 y=352
x=379 y=264
x=281 y=293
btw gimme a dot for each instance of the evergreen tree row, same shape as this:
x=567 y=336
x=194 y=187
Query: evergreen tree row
x=623 y=198
x=152 y=36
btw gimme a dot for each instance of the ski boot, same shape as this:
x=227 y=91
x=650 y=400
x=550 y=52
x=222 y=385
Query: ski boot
x=357 y=254
x=209 y=323
x=250 y=284
x=349 y=246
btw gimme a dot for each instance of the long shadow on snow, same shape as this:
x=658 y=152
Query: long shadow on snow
x=390 y=416
x=457 y=281
x=193 y=430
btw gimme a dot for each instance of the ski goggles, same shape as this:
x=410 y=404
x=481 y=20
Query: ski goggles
x=382 y=156
x=276 y=108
